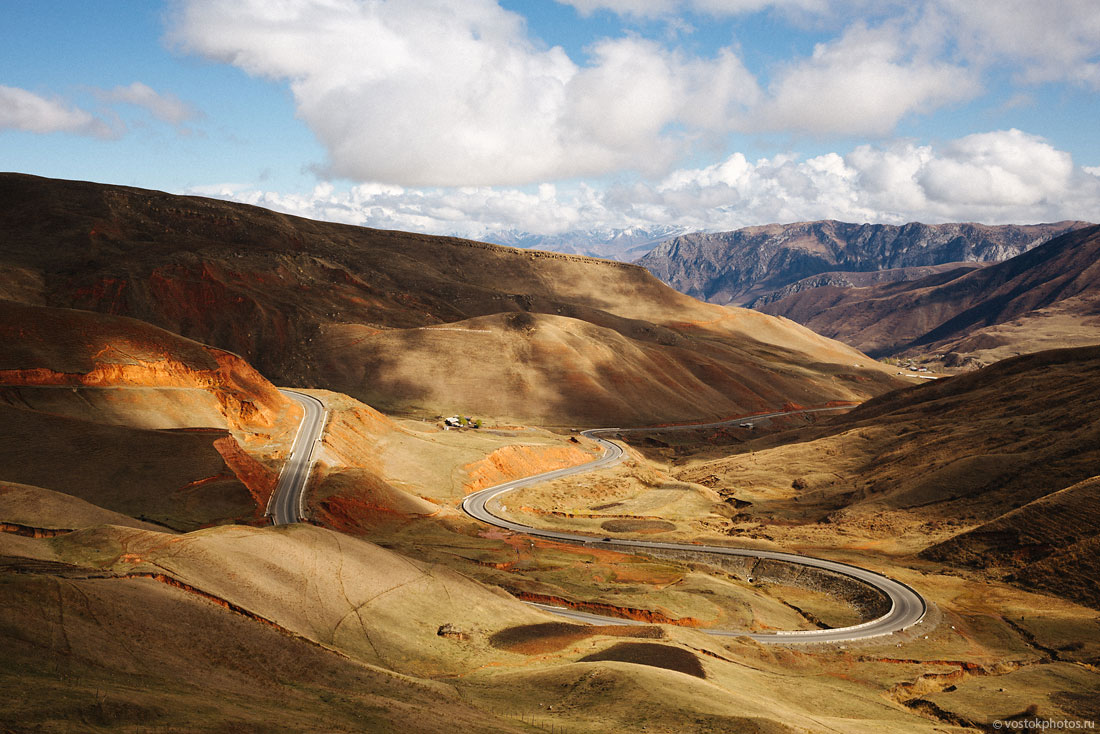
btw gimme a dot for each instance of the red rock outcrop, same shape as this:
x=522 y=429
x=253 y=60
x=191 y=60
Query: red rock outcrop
x=639 y=615
x=257 y=478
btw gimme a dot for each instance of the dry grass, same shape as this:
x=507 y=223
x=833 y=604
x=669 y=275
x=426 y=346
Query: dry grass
x=135 y=655
x=372 y=604
x=36 y=508
x=559 y=338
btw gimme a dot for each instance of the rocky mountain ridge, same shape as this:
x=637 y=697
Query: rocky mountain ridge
x=1048 y=297
x=841 y=279
x=737 y=267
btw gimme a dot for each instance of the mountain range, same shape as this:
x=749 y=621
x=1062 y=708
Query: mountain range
x=623 y=244
x=748 y=264
x=1045 y=298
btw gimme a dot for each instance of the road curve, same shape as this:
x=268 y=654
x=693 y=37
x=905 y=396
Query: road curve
x=286 y=503
x=907 y=607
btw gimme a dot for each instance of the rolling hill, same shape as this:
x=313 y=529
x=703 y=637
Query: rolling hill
x=134 y=419
x=981 y=470
x=335 y=306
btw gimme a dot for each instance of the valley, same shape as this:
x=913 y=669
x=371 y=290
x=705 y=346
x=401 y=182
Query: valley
x=187 y=547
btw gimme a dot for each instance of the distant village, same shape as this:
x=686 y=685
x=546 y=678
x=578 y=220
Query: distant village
x=461 y=421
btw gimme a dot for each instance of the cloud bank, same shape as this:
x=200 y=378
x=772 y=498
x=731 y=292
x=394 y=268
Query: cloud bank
x=24 y=110
x=163 y=106
x=455 y=92
x=997 y=177
x=458 y=92
x=21 y=109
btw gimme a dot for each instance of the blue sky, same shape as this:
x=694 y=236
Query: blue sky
x=477 y=116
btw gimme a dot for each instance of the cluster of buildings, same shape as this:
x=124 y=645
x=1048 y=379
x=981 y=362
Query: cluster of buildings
x=458 y=421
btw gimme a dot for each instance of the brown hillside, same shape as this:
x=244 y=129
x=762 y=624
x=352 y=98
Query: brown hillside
x=175 y=478
x=136 y=420
x=918 y=466
x=1045 y=298
x=372 y=604
x=860 y=279
x=540 y=368
x=67 y=348
x=88 y=648
x=275 y=288
x=1050 y=543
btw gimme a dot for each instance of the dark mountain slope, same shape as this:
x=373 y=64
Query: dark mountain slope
x=992 y=469
x=1052 y=291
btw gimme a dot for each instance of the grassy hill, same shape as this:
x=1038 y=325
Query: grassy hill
x=335 y=306
x=979 y=456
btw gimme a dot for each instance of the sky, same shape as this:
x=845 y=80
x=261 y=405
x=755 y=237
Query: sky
x=475 y=117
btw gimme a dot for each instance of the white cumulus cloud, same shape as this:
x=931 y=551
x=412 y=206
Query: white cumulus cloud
x=165 y=107
x=995 y=177
x=1054 y=40
x=455 y=92
x=865 y=83
x=1002 y=169
x=24 y=110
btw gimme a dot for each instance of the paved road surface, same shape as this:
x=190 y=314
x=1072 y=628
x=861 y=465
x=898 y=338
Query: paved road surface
x=286 y=504
x=907 y=607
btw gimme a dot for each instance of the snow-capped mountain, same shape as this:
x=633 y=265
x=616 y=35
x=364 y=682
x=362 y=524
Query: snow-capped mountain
x=626 y=245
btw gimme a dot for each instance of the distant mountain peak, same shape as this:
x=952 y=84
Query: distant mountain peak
x=626 y=244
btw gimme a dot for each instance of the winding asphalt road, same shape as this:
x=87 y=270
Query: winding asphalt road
x=907 y=607
x=286 y=503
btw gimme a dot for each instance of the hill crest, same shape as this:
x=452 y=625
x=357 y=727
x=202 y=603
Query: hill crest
x=274 y=288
